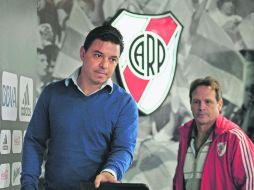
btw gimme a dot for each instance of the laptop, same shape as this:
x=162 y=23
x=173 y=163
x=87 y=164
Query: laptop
x=113 y=186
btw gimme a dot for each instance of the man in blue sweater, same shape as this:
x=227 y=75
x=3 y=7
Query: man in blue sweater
x=87 y=123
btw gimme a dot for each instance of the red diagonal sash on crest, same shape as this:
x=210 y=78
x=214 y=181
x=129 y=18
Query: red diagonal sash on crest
x=165 y=28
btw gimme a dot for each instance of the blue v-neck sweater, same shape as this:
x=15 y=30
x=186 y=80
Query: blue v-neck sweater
x=85 y=135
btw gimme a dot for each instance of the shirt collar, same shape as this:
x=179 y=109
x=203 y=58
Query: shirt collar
x=74 y=77
x=209 y=135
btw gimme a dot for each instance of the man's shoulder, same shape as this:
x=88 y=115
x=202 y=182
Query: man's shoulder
x=223 y=124
x=117 y=87
x=53 y=88
x=186 y=125
x=118 y=90
x=186 y=128
x=121 y=95
x=56 y=84
x=230 y=129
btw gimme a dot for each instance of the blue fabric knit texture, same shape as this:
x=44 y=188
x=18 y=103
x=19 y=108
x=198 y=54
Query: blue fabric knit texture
x=87 y=134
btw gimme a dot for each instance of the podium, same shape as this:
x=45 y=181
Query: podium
x=113 y=186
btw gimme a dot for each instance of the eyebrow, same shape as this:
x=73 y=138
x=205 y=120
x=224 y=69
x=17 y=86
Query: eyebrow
x=113 y=56
x=97 y=51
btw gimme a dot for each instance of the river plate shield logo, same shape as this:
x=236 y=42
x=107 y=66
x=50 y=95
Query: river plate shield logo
x=148 y=62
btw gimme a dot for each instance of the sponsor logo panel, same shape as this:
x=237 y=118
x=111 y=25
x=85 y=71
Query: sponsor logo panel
x=9 y=96
x=15 y=176
x=17 y=140
x=4 y=175
x=5 y=142
x=25 y=99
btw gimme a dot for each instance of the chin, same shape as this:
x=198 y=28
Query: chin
x=100 y=82
x=202 y=121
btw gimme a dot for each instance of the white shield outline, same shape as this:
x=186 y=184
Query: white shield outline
x=154 y=91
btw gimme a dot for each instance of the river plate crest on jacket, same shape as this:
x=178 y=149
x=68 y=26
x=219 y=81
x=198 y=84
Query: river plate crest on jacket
x=148 y=63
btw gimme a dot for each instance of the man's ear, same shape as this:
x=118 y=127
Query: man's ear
x=82 y=53
x=220 y=104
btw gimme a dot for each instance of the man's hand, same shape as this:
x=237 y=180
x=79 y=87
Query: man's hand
x=104 y=177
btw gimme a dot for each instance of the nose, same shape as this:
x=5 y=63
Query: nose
x=202 y=105
x=104 y=63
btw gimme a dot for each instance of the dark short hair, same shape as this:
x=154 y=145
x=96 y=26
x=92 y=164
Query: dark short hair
x=207 y=81
x=104 y=33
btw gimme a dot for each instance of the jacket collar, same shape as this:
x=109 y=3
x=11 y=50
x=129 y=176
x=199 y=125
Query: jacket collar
x=221 y=126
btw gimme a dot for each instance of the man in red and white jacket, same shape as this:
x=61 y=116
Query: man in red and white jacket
x=214 y=153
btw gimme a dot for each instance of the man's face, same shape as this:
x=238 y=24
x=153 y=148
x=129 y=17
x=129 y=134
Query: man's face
x=42 y=64
x=228 y=8
x=99 y=61
x=204 y=106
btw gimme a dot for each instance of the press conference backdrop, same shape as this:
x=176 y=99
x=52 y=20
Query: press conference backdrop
x=18 y=29
x=39 y=43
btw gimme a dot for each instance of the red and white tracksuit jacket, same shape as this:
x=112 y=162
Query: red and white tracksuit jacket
x=230 y=159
